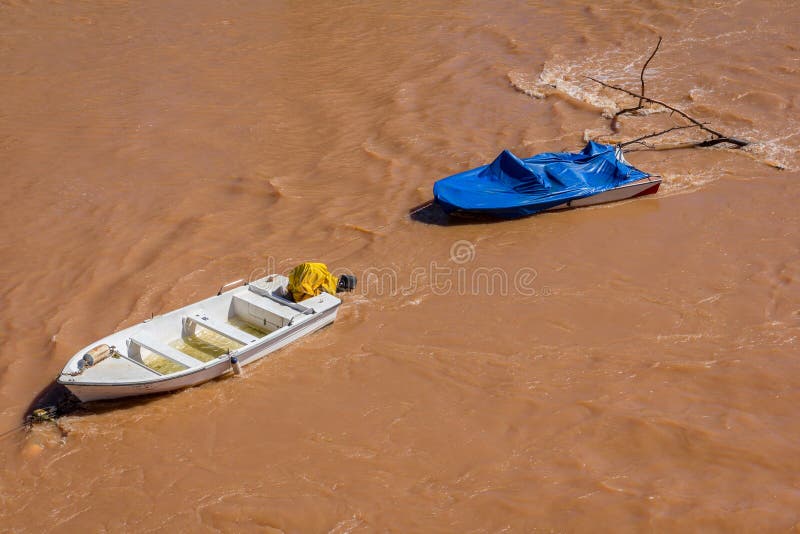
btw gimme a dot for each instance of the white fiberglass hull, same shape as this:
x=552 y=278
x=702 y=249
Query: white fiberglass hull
x=127 y=375
x=647 y=186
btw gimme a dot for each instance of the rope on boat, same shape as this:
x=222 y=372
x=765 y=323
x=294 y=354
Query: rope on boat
x=12 y=430
x=39 y=415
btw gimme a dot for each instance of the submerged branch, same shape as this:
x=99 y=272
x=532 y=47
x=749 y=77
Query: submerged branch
x=656 y=134
x=719 y=138
x=715 y=140
x=644 y=67
x=614 y=121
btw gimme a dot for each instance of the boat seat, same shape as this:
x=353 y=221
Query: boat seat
x=263 y=312
x=162 y=349
x=278 y=296
x=223 y=329
x=276 y=305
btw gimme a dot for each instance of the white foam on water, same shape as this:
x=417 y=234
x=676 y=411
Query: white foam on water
x=686 y=182
x=777 y=152
x=569 y=78
x=560 y=79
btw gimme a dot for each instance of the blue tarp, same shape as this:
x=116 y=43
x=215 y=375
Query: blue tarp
x=512 y=187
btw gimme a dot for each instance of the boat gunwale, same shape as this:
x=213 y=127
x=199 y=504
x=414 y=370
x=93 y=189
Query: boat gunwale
x=225 y=358
x=245 y=353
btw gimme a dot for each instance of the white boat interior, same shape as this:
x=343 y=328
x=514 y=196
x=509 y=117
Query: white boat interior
x=247 y=322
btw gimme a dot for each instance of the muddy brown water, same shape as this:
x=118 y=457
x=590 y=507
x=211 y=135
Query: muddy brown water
x=628 y=367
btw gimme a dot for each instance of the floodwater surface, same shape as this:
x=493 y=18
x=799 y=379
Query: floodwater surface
x=626 y=367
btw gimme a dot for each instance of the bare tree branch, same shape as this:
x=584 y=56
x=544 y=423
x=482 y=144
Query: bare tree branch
x=694 y=123
x=718 y=140
x=721 y=138
x=656 y=134
x=644 y=67
x=614 y=121
x=672 y=146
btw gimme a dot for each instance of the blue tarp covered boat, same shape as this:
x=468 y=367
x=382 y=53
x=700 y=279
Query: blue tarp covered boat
x=511 y=187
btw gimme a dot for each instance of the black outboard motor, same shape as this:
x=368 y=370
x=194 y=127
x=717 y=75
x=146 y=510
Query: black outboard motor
x=347 y=282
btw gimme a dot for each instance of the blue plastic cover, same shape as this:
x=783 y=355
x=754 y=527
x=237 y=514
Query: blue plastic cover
x=513 y=187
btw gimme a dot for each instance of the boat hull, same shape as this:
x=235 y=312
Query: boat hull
x=100 y=391
x=87 y=392
x=122 y=365
x=624 y=192
x=649 y=186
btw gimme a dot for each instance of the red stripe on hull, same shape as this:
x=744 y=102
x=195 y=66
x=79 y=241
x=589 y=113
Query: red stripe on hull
x=648 y=191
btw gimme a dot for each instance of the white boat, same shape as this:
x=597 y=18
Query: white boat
x=196 y=343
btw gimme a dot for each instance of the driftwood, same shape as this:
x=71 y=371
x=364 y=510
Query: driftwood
x=715 y=139
x=614 y=122
x=641 y=139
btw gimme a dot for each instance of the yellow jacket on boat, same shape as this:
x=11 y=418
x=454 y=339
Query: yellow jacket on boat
x=310 y=279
